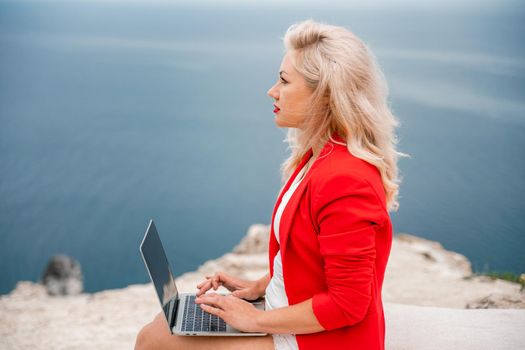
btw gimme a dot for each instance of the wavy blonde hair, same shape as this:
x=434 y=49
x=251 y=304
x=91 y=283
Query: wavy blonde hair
x=349 y=98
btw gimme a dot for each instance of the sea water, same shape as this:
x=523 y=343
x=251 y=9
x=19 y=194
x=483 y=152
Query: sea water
x=113 y=113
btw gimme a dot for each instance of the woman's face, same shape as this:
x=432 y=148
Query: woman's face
x=291 y=94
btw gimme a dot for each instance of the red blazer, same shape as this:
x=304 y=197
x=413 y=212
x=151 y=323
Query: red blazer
x=335 y=236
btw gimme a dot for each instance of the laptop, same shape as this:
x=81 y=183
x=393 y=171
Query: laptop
x=183 y=315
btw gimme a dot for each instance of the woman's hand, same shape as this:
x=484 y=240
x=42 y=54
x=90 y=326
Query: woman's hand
x=236 y=312
x=249 y=290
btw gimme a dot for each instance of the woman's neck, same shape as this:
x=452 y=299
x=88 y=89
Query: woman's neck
x=316 y=151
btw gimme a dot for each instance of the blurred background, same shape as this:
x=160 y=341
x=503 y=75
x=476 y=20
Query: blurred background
x=115 y=112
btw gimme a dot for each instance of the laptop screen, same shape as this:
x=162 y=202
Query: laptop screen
x=158 y=268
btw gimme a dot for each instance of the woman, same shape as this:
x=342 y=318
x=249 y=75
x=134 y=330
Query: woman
x=331 y=233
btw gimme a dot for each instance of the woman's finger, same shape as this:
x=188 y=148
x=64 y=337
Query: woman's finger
x=208 y=278
x=204 y=288
x=242 y=293
x=213 y=299
x=216 y=300
x=206 y=285
x=217 y=280
x=212 y=310
x=230 y=282
x=202 y=283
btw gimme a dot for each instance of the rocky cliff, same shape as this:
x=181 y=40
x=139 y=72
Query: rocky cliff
x=427 y=293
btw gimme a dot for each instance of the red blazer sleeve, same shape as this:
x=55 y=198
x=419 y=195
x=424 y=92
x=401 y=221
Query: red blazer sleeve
x=346 y=211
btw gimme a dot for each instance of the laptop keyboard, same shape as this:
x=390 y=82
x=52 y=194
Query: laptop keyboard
x=197 y=320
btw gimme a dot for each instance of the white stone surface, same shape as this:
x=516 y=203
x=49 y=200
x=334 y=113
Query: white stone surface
x=432 y=328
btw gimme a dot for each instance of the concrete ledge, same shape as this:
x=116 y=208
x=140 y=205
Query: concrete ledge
x=433 y=328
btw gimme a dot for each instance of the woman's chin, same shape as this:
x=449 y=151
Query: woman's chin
x=280 y=123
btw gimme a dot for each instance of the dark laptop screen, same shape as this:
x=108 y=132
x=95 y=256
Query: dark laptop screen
x=158 y=267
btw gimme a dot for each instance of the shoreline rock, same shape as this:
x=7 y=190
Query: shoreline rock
x=421 y=272
x=63 y=276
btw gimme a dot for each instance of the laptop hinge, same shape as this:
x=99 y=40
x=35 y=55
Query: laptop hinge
x=174 y=309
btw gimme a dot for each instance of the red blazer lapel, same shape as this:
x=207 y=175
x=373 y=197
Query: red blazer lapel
x=274 y=245
x=291 y=207
x=289 y=211
x=293 y=203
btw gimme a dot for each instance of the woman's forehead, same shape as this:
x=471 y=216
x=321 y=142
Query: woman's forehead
x=287 y=64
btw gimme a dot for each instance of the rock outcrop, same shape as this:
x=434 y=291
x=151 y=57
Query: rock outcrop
x=63 y=276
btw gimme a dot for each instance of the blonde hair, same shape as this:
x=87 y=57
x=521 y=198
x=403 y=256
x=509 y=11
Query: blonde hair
x=349 y=98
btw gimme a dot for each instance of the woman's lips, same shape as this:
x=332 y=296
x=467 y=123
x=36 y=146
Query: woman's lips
x=277 y=109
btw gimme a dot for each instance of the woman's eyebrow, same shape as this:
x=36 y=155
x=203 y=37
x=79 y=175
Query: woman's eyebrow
x=281 y=72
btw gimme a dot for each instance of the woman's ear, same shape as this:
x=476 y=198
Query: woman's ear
x=326 y=98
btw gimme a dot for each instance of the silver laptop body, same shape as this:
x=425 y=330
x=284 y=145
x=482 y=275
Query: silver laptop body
x=180 y=311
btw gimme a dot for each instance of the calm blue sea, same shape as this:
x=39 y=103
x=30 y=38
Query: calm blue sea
x=113 y=113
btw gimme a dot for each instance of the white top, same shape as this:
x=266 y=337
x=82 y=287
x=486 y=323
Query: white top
x=275 y=292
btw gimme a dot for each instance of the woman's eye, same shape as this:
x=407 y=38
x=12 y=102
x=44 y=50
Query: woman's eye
x=283 y=81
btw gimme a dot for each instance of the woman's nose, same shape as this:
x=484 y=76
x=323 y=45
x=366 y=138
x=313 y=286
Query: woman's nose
x=273 y=93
